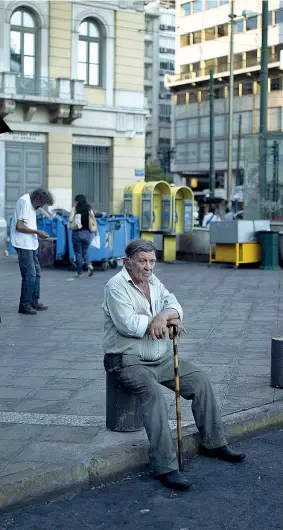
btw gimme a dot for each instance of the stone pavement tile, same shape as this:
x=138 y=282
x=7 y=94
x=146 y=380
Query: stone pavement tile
x=66 y=384
x=78 y=374
x=54 y=452
x=217 y=374
x=8 y=405
x=29 y=382
x=278 y=394
x=68 y=434
x=44 y=372
x=40 y=406
x=18 y=468
x=19 y=431
x=7 y=392
x=53 y=395
x=96 y=407
x=11 y=448
x=3 y=464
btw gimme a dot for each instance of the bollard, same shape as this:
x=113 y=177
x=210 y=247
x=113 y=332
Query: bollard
x=276 y=380
x=122 y=407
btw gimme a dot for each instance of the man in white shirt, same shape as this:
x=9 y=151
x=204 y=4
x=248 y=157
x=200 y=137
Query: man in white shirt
x=24 y=239
x=138 y=309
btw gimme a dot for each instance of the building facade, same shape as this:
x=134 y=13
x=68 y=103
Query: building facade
x=72 y=91
x=203 y=42
x=159 y=60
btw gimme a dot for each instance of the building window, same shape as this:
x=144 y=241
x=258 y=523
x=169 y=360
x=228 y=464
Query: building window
x=181 y=99
x=186 y=9
x=251 y=23
x=210 y=4
x=181 y=129
x=251 y=58
x=197 y=37
x=270 y=18
x=22 y=43
x=222 y=30
x=222 y=64
x=197 y=6
x=223 y=2
x=211 y=63
x=275 y=119
x=238 y=61
x=238 y=26
x=193 y=97
x=148 y=73
x=219 y=93
x=210 y=33
x=89 y=66
x=276 y=83
x=279 y=16
x=185 y=40
x=219 y=125
x=193 y=128
x=247 y=88
x=148 y=50
x=167 y=65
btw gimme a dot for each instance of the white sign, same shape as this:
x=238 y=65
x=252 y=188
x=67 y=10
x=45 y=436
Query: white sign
x=32 y=137
x=92 y=140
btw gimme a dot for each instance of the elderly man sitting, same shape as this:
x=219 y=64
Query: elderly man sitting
x=138 y=310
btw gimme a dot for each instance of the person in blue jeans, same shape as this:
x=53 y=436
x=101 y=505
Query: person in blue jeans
x=24 y=238
x=83 y=224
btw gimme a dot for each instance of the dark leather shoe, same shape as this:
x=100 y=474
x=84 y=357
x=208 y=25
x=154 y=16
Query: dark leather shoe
x=40 y=307
x=222 y=453
x=174 y=480
x=27 y=310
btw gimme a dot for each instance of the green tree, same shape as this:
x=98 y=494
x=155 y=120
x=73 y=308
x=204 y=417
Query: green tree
x=153 y=172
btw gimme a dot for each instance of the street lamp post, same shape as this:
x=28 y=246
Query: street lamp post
x=231 y=96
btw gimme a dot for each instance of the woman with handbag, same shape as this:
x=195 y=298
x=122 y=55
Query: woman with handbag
x=83 y=225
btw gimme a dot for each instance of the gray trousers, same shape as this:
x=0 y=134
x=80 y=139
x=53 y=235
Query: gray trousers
x=145 y=380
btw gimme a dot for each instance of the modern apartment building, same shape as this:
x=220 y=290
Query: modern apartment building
x=72 y=91
x=159 y=60
x=202 y=43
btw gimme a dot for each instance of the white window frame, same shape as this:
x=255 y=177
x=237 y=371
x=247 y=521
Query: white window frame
x=107 y=23
x=41 y=14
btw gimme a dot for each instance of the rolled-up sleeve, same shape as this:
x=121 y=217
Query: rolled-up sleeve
x=123 y=315
x=169 y=301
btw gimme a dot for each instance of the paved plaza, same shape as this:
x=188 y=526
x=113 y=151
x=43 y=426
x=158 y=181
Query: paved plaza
x=52 y=381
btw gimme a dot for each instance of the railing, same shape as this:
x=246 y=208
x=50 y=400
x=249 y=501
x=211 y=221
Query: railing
x=36 y=86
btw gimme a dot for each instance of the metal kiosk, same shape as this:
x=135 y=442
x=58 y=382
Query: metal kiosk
x=156 y=209
x=182 y=219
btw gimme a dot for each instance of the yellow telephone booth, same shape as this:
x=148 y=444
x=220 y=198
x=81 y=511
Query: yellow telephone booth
x=156 y=208
x=182 y=219
x=132 y=199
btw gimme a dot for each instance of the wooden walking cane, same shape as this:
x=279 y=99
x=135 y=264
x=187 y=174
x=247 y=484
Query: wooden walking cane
x=174 y=336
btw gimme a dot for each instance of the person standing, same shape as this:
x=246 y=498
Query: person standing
x=24 y=238
x=83 y=224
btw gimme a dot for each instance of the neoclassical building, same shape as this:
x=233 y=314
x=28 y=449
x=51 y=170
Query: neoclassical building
x=72 y=91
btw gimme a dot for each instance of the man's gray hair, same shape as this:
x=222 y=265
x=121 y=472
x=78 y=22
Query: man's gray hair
x=44 y=196
x=139 y=245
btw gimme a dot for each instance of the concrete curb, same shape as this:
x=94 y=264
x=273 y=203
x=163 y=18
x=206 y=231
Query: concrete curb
x=107 y=465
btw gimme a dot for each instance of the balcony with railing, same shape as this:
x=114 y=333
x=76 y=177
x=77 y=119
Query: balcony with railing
x=64 y=97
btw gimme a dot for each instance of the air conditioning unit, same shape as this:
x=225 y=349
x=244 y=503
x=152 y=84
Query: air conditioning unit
x=162 y=50
x=162 y=26
x=162 y=72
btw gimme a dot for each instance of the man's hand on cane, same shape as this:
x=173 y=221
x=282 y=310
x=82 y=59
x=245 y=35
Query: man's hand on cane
x=175 y=324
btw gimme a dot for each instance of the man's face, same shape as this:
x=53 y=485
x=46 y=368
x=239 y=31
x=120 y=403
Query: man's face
x=37 y=204
x=141 y=265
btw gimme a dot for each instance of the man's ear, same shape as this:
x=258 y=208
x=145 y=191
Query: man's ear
x=127 y=262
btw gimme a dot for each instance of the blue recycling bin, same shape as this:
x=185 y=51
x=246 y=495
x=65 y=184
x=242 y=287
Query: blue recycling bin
x=125 y=229
x=115 y=233
x=55 y=228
